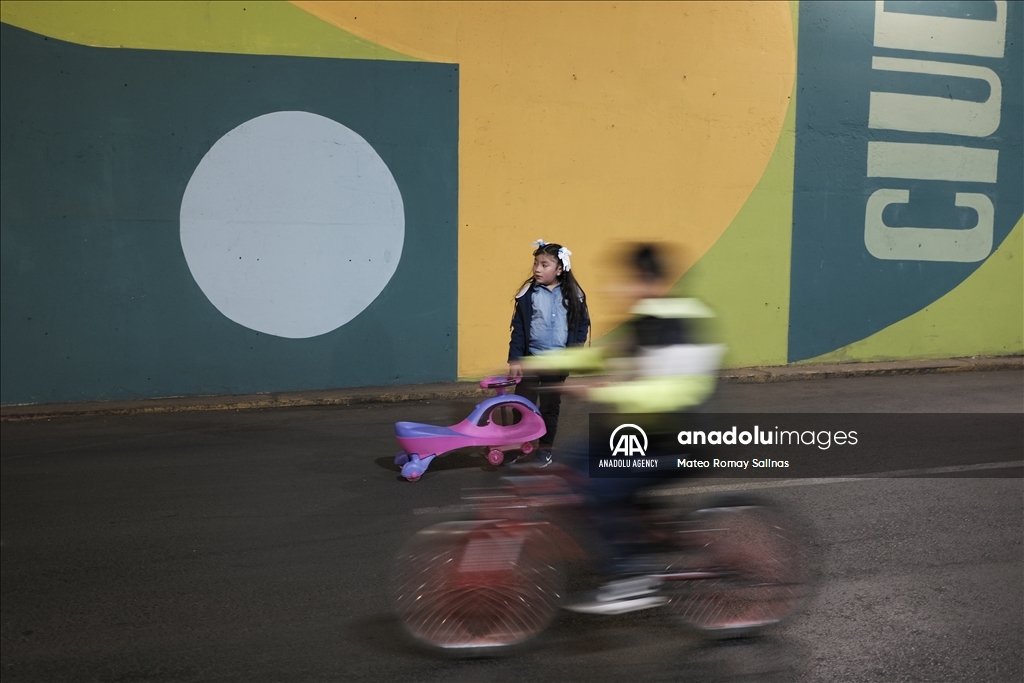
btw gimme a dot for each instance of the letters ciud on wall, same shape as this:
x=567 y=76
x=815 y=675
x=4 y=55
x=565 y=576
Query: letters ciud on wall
x=974 y=163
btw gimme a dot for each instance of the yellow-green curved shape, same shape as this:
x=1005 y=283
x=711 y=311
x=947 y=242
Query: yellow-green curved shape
x=744 y=276
x=982 y=316
x=261 y=28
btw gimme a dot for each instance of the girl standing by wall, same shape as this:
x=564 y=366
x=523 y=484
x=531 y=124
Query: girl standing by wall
x=550 y=313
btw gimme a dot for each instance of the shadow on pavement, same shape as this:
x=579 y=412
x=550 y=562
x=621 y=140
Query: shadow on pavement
x=463 y=459
x=638 y=648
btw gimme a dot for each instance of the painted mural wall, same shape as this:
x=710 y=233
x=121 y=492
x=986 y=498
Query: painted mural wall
x=232 y=197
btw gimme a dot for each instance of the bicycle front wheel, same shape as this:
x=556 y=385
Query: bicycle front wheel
x=475 y=588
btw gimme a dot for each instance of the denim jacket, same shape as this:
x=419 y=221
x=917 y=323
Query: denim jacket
x=520 y=343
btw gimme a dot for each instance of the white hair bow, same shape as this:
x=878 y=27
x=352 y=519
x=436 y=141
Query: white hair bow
x=563 y=256
x=539 y=243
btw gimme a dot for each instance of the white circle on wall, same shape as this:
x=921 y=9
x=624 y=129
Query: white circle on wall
x=292 y=224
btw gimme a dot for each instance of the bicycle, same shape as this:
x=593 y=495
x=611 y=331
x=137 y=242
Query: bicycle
x=490 y=583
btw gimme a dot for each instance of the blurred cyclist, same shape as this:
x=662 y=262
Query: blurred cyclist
x=658 y=367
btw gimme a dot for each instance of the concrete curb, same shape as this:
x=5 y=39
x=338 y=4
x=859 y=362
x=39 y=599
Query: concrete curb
x=456 y=390
x=787 y=373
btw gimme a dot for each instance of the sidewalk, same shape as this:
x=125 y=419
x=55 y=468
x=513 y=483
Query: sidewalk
x=470 y=389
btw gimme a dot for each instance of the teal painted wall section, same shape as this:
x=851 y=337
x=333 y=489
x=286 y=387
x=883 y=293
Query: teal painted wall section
x=98 y=148
x=909 y=169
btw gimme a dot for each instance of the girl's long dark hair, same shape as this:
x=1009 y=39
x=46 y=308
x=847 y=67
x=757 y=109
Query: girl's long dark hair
x=573 y=297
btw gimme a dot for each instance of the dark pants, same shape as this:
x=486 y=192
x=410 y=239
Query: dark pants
x=612 y=509
x=542 y=390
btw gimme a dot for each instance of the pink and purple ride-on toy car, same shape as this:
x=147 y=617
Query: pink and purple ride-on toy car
x=501 y=423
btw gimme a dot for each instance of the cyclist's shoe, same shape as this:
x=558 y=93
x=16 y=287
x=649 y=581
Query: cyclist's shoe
x=620 y=596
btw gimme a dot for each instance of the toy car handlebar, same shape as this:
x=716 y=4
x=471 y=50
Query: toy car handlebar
x=499 y=382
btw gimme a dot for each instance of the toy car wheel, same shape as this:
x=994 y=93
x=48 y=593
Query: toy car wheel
x=495 y=457
x=401 y=458
x=527 y=447
x=414 y=476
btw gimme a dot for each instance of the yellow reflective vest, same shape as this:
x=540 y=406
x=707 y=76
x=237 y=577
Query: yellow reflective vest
x=663 y=370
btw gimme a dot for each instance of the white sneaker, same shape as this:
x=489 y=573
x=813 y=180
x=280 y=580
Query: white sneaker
x=619 y=597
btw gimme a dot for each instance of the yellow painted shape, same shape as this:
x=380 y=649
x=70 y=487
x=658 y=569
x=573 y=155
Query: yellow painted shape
x=586 y=123
x=982 y=316
x=271 y=28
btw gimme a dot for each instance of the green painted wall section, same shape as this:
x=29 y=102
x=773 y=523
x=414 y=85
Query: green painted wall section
x=259 y=28
x=983 y=316
x=744 y=277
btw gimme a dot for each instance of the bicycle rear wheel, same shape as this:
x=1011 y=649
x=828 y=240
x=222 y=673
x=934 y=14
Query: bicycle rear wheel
x=757 y=565
x=477 y=588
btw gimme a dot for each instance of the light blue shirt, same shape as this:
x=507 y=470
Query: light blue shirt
x=549 y=327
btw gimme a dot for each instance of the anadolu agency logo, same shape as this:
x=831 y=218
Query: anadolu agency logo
x=628 y=440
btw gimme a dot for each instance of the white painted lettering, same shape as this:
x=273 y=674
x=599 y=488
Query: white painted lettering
x=932 y=162
x=924 y=33
x=928 y=244
x=928 y=114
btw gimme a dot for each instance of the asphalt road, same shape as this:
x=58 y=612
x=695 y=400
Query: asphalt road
x=256 y=546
